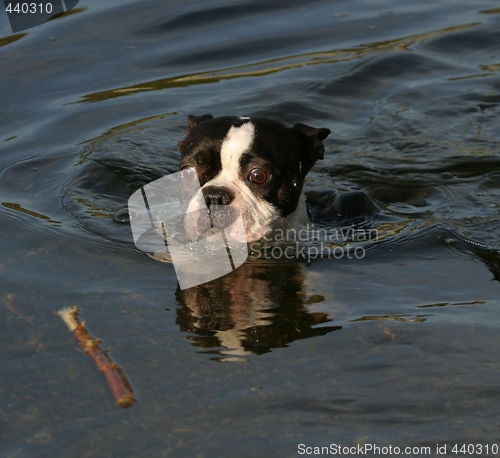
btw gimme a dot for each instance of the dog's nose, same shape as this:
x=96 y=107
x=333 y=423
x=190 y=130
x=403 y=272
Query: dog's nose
x=217 y=196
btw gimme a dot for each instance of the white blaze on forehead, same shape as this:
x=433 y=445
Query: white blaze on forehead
x=238 y=140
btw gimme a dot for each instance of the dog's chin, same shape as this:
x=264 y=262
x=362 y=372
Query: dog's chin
x=235 y=224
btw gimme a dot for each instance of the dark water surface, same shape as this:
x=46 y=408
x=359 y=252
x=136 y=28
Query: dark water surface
x=398 y=348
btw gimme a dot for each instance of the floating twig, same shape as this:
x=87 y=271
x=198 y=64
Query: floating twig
x=122 y=391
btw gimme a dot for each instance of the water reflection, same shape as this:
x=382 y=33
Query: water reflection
x=268 y=67
x=255 y=308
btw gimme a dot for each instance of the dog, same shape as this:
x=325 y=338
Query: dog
x=253 y=166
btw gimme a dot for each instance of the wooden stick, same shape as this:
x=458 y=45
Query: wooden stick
x=122 y=391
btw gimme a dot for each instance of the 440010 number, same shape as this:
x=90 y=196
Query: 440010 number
x=26 y=8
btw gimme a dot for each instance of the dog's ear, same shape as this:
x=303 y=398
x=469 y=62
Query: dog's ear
x=194 y=121
x=310 y=143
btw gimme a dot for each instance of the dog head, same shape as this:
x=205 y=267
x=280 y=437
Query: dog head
x=255 y=166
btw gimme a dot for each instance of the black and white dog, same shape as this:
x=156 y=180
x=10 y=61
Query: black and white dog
x=255 y=165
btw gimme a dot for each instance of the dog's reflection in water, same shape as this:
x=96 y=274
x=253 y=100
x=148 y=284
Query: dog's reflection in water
x=251 y=310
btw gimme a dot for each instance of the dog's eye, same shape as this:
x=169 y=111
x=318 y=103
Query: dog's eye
x=188 y=173
x=258 y=176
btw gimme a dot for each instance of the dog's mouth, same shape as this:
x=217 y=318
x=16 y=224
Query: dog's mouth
x=240 y=216
x=215 y=219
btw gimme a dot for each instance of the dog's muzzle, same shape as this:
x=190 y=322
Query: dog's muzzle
x=218 y=214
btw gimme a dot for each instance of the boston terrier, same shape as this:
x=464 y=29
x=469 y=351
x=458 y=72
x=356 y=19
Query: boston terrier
x=256 y=166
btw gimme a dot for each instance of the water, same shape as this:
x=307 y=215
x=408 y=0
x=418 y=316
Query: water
x=397 y=348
